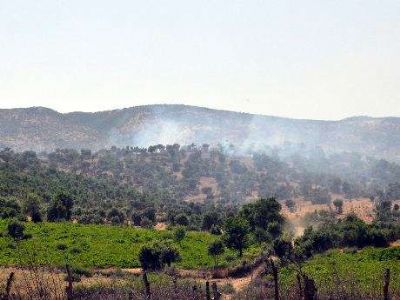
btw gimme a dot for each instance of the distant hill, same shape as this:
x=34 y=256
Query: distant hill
x=43 y=129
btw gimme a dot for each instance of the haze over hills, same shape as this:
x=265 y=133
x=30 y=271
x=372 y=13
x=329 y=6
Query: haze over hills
x=43 y=129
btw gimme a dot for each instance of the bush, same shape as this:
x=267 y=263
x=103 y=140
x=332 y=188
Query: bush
x=61 y=208
x=32 y=208
x=74 y=277
x=215 y=249
x=377 y=238
x=156 y=256
x=215 y=230
x=150 y=258
x=182 y=220
x=146 y=223
x=349 y=232
x=227 y=289
x=170 y=254
x=115 y=216
x=75 y=250
x=283 y=249
x=82 y=271
x=16 y=230
x=9 y=208
x=62 y=247
x=180 y=234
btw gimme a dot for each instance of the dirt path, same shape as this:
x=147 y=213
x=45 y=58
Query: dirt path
x=237 y=283
x=240 y=284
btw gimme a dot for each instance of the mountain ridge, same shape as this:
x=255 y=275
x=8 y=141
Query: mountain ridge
x=44 y=108
x=44 y=129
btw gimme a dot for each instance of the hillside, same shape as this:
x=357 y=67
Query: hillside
x=42 y=129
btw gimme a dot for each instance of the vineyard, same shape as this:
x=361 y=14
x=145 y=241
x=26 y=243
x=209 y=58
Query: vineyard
x=103 y=246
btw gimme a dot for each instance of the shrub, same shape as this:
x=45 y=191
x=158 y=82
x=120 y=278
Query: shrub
x=16 y=230
x=32 y=208
x=75 y=250
x=215 y=249
x=150 y=258
x=155 y=256
x=62 y=247
x=216 y=230
x=146 y=223
x=9 y=208
x=115 y=216
x=61 y=208
x=182 y=220
x=169 y=254
x=81 y=271
x=180 y=234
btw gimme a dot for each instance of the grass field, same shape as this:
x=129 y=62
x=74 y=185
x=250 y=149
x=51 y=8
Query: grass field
x=358 y=271
x=102 y=246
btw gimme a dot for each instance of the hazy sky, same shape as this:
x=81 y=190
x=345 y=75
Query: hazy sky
x=324 y=59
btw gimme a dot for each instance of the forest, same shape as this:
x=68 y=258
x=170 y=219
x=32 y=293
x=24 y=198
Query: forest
x=179 y=185
x=208 y=211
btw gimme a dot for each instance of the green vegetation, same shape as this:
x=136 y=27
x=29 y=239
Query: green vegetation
x=348 y=232
x=336 y=270
x=194 y=186
x=102 y=246
x=216 y=249
x=59 y=208
x=158 y=255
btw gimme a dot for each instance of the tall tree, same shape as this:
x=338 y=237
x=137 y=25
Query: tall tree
x=32 y=208
x=61 y=208
x=236 y=234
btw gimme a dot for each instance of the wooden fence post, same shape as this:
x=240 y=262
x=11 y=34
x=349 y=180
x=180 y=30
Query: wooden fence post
x=10 y=281
x=274 y=269
x=216 y=294
x=386 y=281
x=69 y=289
x=175 y=282
x=310 y=291
x=194 y=292
x=146 y=285
x=208 y=294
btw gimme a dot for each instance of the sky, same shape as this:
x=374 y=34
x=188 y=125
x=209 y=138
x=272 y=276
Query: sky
x=322 y=59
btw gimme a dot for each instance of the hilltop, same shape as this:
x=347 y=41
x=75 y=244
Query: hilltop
x=43 y=129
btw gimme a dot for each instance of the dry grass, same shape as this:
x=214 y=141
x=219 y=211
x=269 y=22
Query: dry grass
x=362 y=207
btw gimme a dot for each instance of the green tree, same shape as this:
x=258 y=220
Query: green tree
x=9 y=208
x=61 y=208
x=182 y=220
x=32 y=208
x=236 y=234
x=283 y=249
x=338 y=203
x=115 y=216
x=16 y=230
x=156 y=255
x=216 y=249
x=150 y=258
x=210 y=219
x=180 y=234
x=169 y=254
x=262 y=235
x=261 y=213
